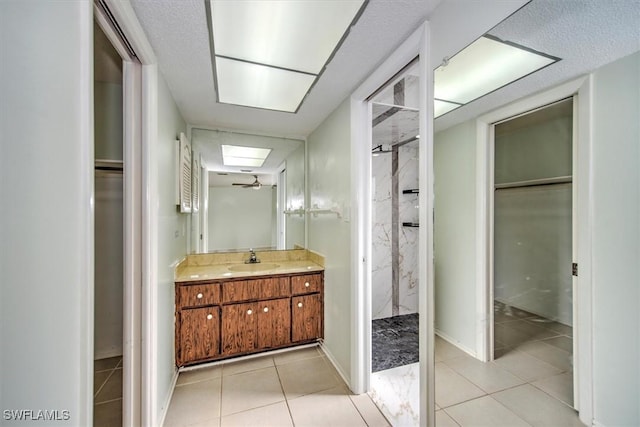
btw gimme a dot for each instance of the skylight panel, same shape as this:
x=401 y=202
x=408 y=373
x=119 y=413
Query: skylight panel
x=268 y=53
x=253 y=85
x=481 y=68
x=235 y=155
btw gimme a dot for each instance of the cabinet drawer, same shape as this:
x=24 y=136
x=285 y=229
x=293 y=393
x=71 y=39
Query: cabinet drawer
x=198 y=295
x=255 y=289
x=307 y=284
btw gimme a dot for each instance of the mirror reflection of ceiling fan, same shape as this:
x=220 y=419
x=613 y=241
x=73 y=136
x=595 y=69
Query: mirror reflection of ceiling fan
x=255 y=184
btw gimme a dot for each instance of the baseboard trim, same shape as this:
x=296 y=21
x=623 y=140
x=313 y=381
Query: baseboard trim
x=456 y=343
x=165 y=409
x=335 y=364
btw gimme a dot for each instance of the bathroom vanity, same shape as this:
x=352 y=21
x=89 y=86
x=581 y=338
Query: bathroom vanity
x=226 y=308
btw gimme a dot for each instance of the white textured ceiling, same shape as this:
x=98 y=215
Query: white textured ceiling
x=586 y=34
x=177 y=31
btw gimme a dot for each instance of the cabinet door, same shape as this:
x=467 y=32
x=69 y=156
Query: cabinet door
x=306 y=317
x=239 y=327
x=274 y=323
x=199 y=333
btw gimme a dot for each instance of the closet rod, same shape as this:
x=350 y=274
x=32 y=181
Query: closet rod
x=109 y=166
x=535 y=182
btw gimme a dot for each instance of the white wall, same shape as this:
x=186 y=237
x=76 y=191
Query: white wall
x=532 y=231
x=240 y=218
x=108 y=120
x=295 y=198
x=616 y=242
x=109 y=265
x=171 y=239
x=615 y=239
x=533 y=251
x=109 y=260
x=46 y=227
x=329 y=177
x=455 y=233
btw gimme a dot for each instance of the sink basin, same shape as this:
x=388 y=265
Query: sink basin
x=253 y=267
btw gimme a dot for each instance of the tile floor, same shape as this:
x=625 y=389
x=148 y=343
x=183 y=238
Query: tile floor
x=107 y=392
x=530 y=382
x=298 y=387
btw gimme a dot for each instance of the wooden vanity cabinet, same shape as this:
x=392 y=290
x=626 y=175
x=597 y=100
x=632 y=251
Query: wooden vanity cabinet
x=220 y=319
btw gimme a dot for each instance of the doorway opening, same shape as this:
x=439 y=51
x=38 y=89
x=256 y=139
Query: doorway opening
x=119 y=222
x=109 y=231
x=533 y=247
x=394 y=247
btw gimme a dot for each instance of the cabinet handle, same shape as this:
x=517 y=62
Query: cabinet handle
x=306 y=284
x=266 y=309
x=299 y=304
x=249 y=312
x=199 y=296
x=209 y=316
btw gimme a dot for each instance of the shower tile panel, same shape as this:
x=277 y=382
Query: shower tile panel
x=408 y=237
x=381 y=238
x=397 y=127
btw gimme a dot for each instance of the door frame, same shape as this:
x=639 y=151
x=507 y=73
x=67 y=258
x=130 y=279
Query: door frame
x=581 y=91
x=139 y=404
x=415 y=46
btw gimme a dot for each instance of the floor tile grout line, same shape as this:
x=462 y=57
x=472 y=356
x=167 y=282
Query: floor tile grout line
x=537 y=358
x=525 y=382
x=286 y=400
x=251 y=409
x=103 y=384
x=358 y=411
x=451 y=416
x=107 y=401
x=552 y=396
x=220 y=397
x=508 y=409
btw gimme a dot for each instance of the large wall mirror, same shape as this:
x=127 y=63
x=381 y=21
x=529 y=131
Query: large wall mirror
x=252 y=192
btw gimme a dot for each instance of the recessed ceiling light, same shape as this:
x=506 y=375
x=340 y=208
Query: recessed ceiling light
x=268 y=54
x=235 y=155
x=481 y=68
x=255 y=85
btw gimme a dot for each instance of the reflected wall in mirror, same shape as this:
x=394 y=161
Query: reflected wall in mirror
x=249 y=198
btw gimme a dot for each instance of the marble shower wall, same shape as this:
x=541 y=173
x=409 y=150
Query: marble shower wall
x=382 y=252
x=381 y=274
x=408 y=236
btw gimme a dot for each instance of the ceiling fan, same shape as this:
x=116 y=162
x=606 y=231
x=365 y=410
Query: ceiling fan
x=255 y=184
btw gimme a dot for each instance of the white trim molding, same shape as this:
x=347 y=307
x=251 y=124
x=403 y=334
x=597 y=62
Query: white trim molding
x=583 y=324
x=361 y=135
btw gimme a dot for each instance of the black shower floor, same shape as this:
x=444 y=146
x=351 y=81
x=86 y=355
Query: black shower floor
x=394 y=342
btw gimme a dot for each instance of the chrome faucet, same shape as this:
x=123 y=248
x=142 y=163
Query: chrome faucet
x=252 y=258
